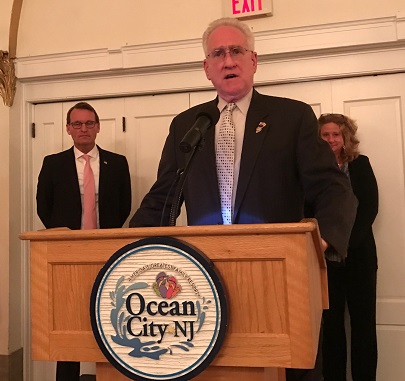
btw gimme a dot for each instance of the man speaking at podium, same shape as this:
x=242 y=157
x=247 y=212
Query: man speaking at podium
x=258 y=163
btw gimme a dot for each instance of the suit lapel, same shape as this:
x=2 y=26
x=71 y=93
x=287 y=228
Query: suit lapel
x=72 y=174
x=210 y=147
x=256 y=129
x=206 y=163
x=102 y=183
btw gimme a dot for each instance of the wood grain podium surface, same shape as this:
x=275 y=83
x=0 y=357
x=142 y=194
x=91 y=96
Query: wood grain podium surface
x=275 y=276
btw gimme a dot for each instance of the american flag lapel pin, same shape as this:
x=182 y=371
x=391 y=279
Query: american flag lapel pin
x=260 y=127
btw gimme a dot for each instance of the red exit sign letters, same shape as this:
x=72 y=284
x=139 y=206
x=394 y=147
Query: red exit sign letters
x=247 y=8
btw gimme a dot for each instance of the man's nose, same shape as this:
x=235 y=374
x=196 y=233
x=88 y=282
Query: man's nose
x=229 y=59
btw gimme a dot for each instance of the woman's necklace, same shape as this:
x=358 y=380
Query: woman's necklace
x=339 y=161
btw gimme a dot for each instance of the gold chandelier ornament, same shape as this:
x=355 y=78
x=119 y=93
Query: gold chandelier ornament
x=7 y=78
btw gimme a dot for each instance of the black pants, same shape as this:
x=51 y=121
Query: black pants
x=354 y=283
x=67 y=371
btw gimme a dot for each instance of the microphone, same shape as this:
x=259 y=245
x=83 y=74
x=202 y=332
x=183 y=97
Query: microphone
x=205 y=119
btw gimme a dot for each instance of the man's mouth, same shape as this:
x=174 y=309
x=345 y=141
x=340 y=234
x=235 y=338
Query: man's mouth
x=229 y=76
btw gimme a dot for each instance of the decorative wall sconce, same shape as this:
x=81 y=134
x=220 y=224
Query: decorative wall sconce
x=7 y=78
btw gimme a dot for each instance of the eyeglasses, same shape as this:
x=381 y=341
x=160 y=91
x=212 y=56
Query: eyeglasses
x=235 y=52
x=88 y=124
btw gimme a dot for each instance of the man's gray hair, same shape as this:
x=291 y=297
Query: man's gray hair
x=228 y=21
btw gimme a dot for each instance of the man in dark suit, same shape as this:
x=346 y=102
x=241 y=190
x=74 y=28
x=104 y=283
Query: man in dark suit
x=279 y=160
x=61 y=187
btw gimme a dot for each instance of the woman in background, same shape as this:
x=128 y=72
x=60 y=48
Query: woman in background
x=355 y=280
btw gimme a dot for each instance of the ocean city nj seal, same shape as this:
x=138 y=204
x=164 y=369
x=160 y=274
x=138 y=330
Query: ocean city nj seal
x=159 y=310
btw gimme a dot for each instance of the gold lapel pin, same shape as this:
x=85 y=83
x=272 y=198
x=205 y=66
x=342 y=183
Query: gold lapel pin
x=260 y=127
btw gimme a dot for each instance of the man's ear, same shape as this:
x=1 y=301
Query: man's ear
x=67 y=129
x=206 y=70
x=254 y=59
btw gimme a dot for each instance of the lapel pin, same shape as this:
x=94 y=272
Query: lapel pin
x=260 y=127
x=105 y=162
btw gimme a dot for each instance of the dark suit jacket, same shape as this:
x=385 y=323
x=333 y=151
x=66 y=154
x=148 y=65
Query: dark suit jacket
x=280 y=165
x=58 y=192
x=364 y=184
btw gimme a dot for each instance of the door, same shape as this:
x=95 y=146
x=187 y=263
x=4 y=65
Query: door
x=377 y=103
x=47 y=140
x=148 y=120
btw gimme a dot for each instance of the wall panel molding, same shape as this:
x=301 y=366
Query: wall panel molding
x=286 y=44
x=367 y=47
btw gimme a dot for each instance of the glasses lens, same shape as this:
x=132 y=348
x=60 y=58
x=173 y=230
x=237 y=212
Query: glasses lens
x=234 y=51
x=218 y=53
x=88 y=124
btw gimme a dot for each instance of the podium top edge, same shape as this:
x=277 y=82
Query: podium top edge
x=308 y=225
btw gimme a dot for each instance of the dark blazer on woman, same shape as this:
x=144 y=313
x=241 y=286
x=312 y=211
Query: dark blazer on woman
x=281 y=163
x=365 y=188
x=354 y=284
x=58 y=191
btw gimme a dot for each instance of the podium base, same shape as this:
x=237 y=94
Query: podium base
x=106 y=372
x=227 y=373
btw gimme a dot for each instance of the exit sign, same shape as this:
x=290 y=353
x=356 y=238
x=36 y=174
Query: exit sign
x=247 y=8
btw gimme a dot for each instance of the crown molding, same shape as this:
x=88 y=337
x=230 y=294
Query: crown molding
x=293 y=43
x=369 y=47
x=335 y=36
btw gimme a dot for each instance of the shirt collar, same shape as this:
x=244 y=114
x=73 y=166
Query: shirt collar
x=243 y=104
x=93 y=153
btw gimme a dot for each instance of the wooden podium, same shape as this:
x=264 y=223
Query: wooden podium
x=276 y=272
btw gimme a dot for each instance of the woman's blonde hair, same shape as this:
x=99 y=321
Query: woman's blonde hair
x=348 y=128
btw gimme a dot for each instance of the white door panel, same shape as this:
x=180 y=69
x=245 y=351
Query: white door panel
x=378 y=105
x=316 y=94
x=148 y=121
x=201 y=97
x=48 y=139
